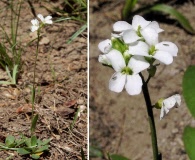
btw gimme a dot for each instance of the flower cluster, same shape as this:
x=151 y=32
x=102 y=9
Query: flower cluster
x=36 y=25
x=133 y=49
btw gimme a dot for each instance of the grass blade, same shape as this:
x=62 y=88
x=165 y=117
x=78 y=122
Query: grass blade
x=177 y=15
x=77 y=33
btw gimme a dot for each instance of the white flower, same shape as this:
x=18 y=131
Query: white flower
x=105 y=46
x=140 y=29
x=46 y=20
x=126 y=75
x=35 y=25
x=163 y=51
x=169 y=103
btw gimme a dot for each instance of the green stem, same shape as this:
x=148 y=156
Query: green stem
x=156 y=155
x=34 y=75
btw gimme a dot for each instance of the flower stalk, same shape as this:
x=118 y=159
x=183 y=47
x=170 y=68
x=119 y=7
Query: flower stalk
x=156 y=154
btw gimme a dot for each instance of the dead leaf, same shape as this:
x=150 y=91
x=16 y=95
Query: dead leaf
x=63 y=111
x=70 y=103
x=26 y=108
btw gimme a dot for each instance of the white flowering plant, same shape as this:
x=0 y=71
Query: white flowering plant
x=23 y=145
x=133 y=49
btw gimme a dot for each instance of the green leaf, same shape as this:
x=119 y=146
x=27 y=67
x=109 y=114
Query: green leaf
x=35 y=156
x=9 y=140
x=189 y=141
x=118 y=157
x=189 y=89
x=46 y=141
x=42 y=148
x=23 y=151
x=34 y=122
x=95 y=152
x=28 y=142
x=82 y=154
x=33 y=141
x=77 y=33
x=177 y=15
x=128 y=8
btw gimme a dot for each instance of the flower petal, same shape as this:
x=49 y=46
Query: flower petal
x=154 y=25
x=177 y=99
x=121 y=26
x=139 y=48
x=168 y=47
x=163 y=57
x=40 y=16
x=139 y=21
x=105 y=46
x=162 y=113
x=48 y=20
x=117 y=82
x=138 y=64
x=130 y=36
x=150 y=35
x=34 y=28
x=116 y=59
x=133 y=85
x=104 y=60
x=169 y=102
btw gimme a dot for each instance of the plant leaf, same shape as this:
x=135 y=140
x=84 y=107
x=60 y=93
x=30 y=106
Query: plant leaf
x=77 y=33
x=82 y=154
x=35 y=156
x=23 y=151
x=46 y=141
x=42 y=148
x=177 y=15
x=128 y=8
x=9 y=140
x=189 y=141
x=95 y=152
x=188 y=89
x=34 y=122
x=33 y=141
x=118 y=157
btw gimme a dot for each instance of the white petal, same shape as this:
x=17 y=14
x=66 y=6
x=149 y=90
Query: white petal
x=169 y=102
x=177 y=99
x=34 y=28
x=168 y=47
x=116 y=59
x=133 y=85
x=48 y=20
x=116 y=35
x=105 y=46
x=103 y=59
x=35 y=22
x=117 y=82
x=138 y=64
x=150 y=35
x=130 y=36
x=40 y=16
x=139 y=21
x=121 y=26
x=155 y=26
x=162 y=113
x=139 y=48
x=163 y=57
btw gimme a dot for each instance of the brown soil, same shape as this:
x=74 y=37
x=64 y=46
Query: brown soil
x=59 y=97
x=118 y=122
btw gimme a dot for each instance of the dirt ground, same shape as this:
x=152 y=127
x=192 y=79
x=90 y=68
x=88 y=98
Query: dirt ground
x=59 y=96
x=118 y=122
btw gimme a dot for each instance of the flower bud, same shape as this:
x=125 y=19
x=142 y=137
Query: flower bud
x=119 y=45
